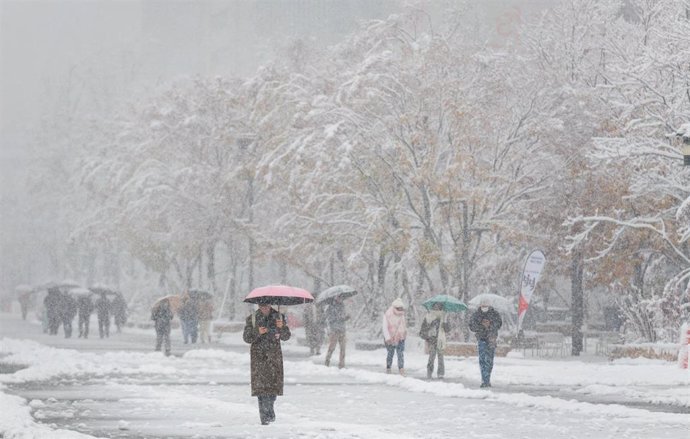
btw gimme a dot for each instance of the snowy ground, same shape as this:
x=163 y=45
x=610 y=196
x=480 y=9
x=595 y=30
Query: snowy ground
x=119 y=388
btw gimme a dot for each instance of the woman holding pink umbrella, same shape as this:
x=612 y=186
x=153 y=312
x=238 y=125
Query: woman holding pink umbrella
x=264 y=330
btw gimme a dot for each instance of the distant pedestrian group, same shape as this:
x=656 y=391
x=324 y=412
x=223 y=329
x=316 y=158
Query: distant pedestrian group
x=195 y=311
x=434 y=330
x=62 y=305
x=266 y=328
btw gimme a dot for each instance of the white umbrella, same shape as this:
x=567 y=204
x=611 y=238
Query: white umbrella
x=497 y=302
x=332 y=292
x=79 y=292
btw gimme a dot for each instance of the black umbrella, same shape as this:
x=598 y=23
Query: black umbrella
x=104 y=290
x=199 y=294
x=331 y=293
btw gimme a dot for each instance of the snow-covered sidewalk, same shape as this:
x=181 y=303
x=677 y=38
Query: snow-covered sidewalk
x=205 y=393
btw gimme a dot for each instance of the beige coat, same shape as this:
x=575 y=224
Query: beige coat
x=205 y=310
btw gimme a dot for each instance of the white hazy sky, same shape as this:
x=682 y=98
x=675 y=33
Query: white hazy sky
x=99 y=50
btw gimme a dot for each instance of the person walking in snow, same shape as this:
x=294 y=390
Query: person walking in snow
x=264 y=330
x=103 y=314
x=52 y=304
x=433 y=331
x=84 y=308
x=161 y=314
x=336 y=318
x=68 y=310
x=119 y=308
x=485 y=323
x=25 y=303
x=189 y=319
x=205 y=312
x=394 y=334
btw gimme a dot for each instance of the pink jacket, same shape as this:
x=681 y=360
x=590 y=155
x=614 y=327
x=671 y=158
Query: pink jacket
x=394 y=326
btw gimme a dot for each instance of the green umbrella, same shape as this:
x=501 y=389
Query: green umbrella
x=450 y=303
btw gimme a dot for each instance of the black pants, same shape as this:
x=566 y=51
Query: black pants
x=67 y=327
x=163 y=338
x=104 y=327
x=84 y=326
x=266 y=408
x=53 y=323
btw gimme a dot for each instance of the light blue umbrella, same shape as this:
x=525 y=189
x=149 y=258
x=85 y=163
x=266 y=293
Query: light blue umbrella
x=331 y=293
x=450 y=303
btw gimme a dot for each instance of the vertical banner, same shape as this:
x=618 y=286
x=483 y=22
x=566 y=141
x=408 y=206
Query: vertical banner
x=530 y=275
x=684 y=350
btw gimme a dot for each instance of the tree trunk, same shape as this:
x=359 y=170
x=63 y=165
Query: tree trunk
x=577 y=301
x=91 y=267
x=211 y=268
x=331 y=274
x=380 y=302
x=317 y=285
x=200 y=269
x=232 y=311
x=250 y=208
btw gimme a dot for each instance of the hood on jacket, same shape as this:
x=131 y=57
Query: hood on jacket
x=398 y=303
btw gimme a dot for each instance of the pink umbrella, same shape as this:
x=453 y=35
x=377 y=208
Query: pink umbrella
x=279 y=295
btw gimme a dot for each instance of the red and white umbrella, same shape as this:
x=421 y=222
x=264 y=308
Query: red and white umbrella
x=279 y=295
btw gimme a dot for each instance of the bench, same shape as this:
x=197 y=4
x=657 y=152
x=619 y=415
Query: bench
x=460 y=349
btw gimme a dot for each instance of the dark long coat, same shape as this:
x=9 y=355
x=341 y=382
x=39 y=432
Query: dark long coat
x=85 y=307
x=162 y=315
x=266 y=354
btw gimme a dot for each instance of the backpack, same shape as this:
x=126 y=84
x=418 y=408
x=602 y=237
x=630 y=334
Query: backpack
x=424 y=331
x=429 y=331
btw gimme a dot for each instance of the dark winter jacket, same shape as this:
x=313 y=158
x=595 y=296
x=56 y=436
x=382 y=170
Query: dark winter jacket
x=265 y=351
x=52 y=302
x=103 y=308
x=162 y=315
x=68 y=307
x=119 y=307
x=429 y=331
x=336 y=317
x=85 y=306
x=189 y=310
x=489 y=334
